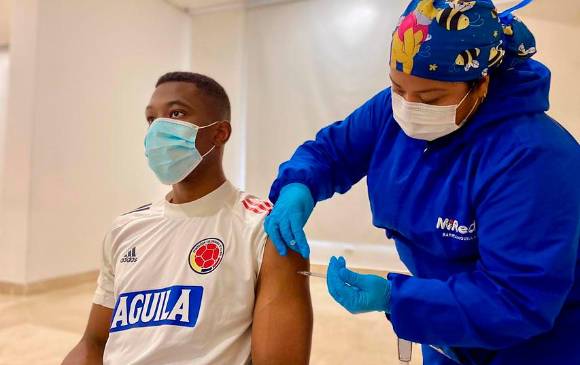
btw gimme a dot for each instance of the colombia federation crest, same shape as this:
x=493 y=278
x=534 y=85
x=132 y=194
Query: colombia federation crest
x=206 y=255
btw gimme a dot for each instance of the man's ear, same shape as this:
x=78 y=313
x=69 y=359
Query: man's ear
x=224 y=131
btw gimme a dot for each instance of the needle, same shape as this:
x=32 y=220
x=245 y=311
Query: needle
x=316 y=275
x=308 y=273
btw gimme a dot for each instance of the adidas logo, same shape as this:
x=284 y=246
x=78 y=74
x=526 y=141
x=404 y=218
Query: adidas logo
x=130 y=256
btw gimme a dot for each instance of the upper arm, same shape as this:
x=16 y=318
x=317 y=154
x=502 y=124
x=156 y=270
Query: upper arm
x=92 y=345
x=528 y=229
x=282 y=324
x=89 y=351
x=97 y=330
x=341 y=153
x=104 y=298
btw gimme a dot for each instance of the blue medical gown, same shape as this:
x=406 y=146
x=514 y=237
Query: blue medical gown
x=487 y=219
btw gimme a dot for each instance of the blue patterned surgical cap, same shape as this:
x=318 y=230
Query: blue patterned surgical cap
x=459 y=40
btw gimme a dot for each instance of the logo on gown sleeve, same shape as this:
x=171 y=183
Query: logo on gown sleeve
x=206 y=255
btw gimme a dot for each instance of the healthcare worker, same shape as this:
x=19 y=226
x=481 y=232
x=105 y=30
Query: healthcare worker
x=477 y=186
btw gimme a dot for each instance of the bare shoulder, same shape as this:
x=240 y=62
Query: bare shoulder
x=279 y=274
x=287 y=265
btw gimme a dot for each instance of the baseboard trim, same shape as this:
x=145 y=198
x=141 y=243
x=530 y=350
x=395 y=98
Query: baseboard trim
x=43 y=286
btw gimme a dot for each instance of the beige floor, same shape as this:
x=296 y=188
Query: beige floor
x=40 y=329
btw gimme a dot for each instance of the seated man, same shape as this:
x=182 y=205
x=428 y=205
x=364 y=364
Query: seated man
x=193 y=279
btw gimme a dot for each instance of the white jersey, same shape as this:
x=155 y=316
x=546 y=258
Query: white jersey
x=181 y=280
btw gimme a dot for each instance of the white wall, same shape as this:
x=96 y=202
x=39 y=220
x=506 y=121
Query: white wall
x=554 y=40
x=71 y=152
x=4 y=74
x=82 y=74
x=286 y=72
x=311 y=63
x=218 y=51
x=15 y=152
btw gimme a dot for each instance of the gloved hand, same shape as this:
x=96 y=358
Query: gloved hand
x=357 y=293
x=285 y=224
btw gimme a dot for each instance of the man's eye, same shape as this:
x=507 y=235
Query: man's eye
x=176 y=114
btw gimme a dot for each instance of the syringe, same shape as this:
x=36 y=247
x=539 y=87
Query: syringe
x=314 y=274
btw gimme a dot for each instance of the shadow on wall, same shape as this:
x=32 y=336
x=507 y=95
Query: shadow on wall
x=4 y=24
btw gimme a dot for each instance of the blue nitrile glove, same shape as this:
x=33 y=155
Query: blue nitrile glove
x=285 y=224
x=357 y=293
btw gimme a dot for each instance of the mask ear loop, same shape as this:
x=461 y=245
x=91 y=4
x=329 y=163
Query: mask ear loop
x=208 y=152
x=209 y=125
x=206 y=126
x=472 y=109
x=464 y=98
x=469 y=115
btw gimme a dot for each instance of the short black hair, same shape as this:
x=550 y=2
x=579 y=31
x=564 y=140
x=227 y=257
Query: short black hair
x=207 y=85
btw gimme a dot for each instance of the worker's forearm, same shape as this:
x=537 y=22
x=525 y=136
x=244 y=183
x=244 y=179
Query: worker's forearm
x=86 y=352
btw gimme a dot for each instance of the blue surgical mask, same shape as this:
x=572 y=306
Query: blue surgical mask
x=170 y=149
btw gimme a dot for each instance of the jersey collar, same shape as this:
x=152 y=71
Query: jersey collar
x=224 y=196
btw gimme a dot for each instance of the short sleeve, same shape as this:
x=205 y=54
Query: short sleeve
x=260 y=244
x=104 y=294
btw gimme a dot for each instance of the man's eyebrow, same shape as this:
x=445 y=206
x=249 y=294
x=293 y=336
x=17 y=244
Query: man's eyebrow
x=170 y=103
x=180 y=103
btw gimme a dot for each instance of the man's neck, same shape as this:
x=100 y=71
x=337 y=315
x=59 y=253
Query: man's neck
x=197 y=185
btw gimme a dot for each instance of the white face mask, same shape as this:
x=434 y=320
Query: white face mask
x=424 y=121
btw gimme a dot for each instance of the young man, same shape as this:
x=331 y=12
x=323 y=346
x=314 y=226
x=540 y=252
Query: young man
x=193 y=279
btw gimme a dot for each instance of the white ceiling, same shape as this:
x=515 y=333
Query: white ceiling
x=565 y=11
x=201 y=6
x=196 y=5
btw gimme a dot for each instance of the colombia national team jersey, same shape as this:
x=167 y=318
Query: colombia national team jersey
x=181 y=280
